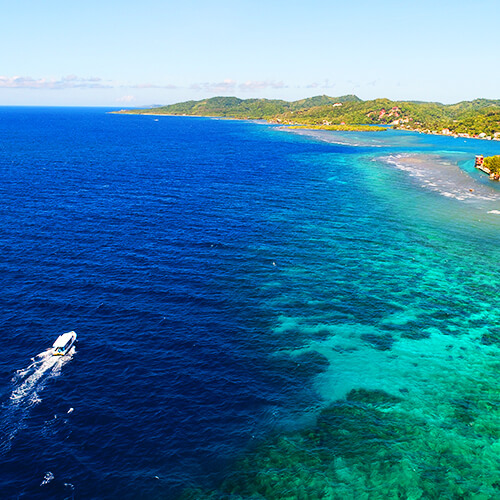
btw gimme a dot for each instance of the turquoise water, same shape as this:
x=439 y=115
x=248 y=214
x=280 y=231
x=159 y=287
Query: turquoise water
x=388 y=287
x=260 y=313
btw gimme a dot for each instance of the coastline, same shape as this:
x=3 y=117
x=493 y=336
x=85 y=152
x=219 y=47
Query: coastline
x=377 y=128
x=448 y=134
x=326 y=127
x=127 y=112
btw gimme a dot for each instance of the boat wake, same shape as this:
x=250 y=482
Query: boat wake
x=27 y=384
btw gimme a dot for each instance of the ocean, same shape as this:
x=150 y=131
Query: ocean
x=261 y=313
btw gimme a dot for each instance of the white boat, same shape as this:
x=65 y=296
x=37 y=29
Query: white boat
x=64 y=343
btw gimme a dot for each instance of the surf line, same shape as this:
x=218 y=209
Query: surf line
x=27 y=384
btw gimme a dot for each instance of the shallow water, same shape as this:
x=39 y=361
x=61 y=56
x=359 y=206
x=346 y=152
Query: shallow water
x=259 y=312
x=444 y=175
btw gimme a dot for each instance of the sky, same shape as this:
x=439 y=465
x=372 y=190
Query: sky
x=138 y=53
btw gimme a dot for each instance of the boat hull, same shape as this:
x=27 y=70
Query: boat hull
x=63 y=344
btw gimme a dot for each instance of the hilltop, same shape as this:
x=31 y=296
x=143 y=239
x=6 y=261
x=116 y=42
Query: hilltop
x=233 y=107
x=480 y=117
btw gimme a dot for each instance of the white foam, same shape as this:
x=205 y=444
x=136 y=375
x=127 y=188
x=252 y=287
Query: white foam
x=27 y=384
x=442 y=176
x=342 y=138
x=47 y=478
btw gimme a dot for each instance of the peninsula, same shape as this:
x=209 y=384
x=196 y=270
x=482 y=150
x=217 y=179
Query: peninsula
x=479 y=118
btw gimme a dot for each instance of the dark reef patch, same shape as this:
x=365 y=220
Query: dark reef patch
x=466 y=411
x=304 y=366
x=358 y=429
x=492 y=337
x=375 y=397
x=382 y=342
x=310 y=363
x=344 y=349
x=415 y=334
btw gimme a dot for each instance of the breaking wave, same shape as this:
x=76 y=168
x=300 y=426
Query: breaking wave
x=444 y=177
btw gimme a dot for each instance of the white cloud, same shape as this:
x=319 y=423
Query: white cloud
x=152 y=86
x=256 y=85
x=74 y=82
x=214 y=87
x=126 y=99
x=229 y=85
x=71 y=82
x=66 y=82
x=325 y=84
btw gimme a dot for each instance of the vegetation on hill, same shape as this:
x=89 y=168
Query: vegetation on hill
x=493 y=163
x=481 y=116
x=232 y=107
x=475 y=117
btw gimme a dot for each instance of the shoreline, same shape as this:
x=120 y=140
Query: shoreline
x=215 y=117
x=377 y=128
x=461 y=135
x=312 y=126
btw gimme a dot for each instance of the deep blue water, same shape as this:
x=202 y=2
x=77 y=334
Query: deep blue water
x=192 y=256
x=147 y=238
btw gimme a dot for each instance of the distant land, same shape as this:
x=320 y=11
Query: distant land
x=479 y=118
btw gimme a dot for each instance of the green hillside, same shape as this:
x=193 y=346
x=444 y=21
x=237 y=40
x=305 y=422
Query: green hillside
x=474 y=117
x=481 y=116
x=232 y=107
x=493 y=163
